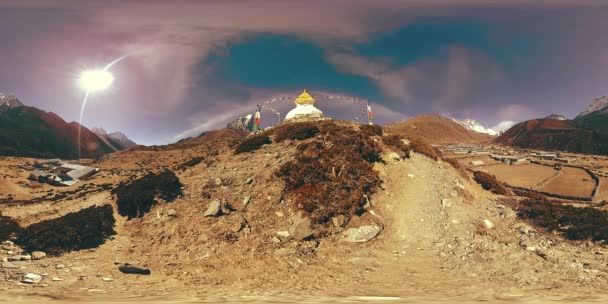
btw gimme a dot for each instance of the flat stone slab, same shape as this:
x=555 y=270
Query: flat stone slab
x=361 y=234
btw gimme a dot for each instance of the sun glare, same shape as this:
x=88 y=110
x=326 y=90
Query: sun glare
x=95 y=80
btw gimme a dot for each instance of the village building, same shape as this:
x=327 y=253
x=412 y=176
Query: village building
x=57 y=173
x=510 y=159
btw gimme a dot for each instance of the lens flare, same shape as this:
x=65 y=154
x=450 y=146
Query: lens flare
x=95 y=80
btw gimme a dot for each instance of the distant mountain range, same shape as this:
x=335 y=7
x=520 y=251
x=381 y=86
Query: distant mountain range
x=31 y=132
x=473 y=125
x=437 y=129
x=118 y=140
x=587 y=133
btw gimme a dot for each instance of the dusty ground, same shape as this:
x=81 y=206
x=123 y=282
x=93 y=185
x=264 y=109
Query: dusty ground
x=435 y=246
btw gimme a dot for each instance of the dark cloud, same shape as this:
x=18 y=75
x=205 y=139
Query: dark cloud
x=492 y=60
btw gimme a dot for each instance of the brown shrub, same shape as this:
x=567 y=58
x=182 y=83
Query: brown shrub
x=490 y=183
x=190 y=163
x=573 y=222
x=424 y=148
x=331 y=177
x=295 y=131
x=371 y=130
x=252 y=143
x=136 y=198
x=8 y=227
x=87 y=228
x=396 y=142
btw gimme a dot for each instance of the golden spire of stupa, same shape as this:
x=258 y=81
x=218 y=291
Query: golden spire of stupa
x=305 y=98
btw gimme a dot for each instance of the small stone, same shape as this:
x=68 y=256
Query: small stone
x=338 y=221
x=508 y=213
x=488 y=224
x=394 y=156
x=31 y=278
x=38 y=255
x=132 y=269
x=283 y=233
x=525 y=229
x=362 y=234
x=249 y=181
x=214 y=208
x=218 y=182
x=445 y=203
x=105 y=279
x=246 y=200
x=279 y=214
x=171 y=213
x=301 y=227
x=56 y=279
x=276 y=240
x=59 y=266
x=410 y=175
x=96 y=290
x=225 y=208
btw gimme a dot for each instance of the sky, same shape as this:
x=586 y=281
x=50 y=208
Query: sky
x=194 y=66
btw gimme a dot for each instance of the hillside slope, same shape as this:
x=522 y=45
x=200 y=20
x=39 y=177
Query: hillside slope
x=436 y=129
x=551 y=134
x=28 y=131
x=443 y=238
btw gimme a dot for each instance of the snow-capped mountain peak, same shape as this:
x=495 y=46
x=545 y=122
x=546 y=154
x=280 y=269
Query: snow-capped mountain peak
x=597 y=104
x=473 y=125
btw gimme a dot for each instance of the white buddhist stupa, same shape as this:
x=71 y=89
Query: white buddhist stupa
x=305 y=110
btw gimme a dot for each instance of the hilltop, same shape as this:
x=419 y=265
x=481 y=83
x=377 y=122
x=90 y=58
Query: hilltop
x=31 y=132
x=587 y=133
x=436 y=129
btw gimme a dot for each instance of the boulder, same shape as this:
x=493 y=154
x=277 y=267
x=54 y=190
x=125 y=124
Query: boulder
x=38 y=255
x=31 y=278
x=132 y=269
x=24 y=257
x=362 y=233
x=215 y=208
x=301 y=227
x=488 y=224
x=9 y=265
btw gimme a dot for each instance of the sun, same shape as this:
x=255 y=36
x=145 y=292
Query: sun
x=95 y=80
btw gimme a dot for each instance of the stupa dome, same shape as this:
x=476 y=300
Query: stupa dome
x=305 y=109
